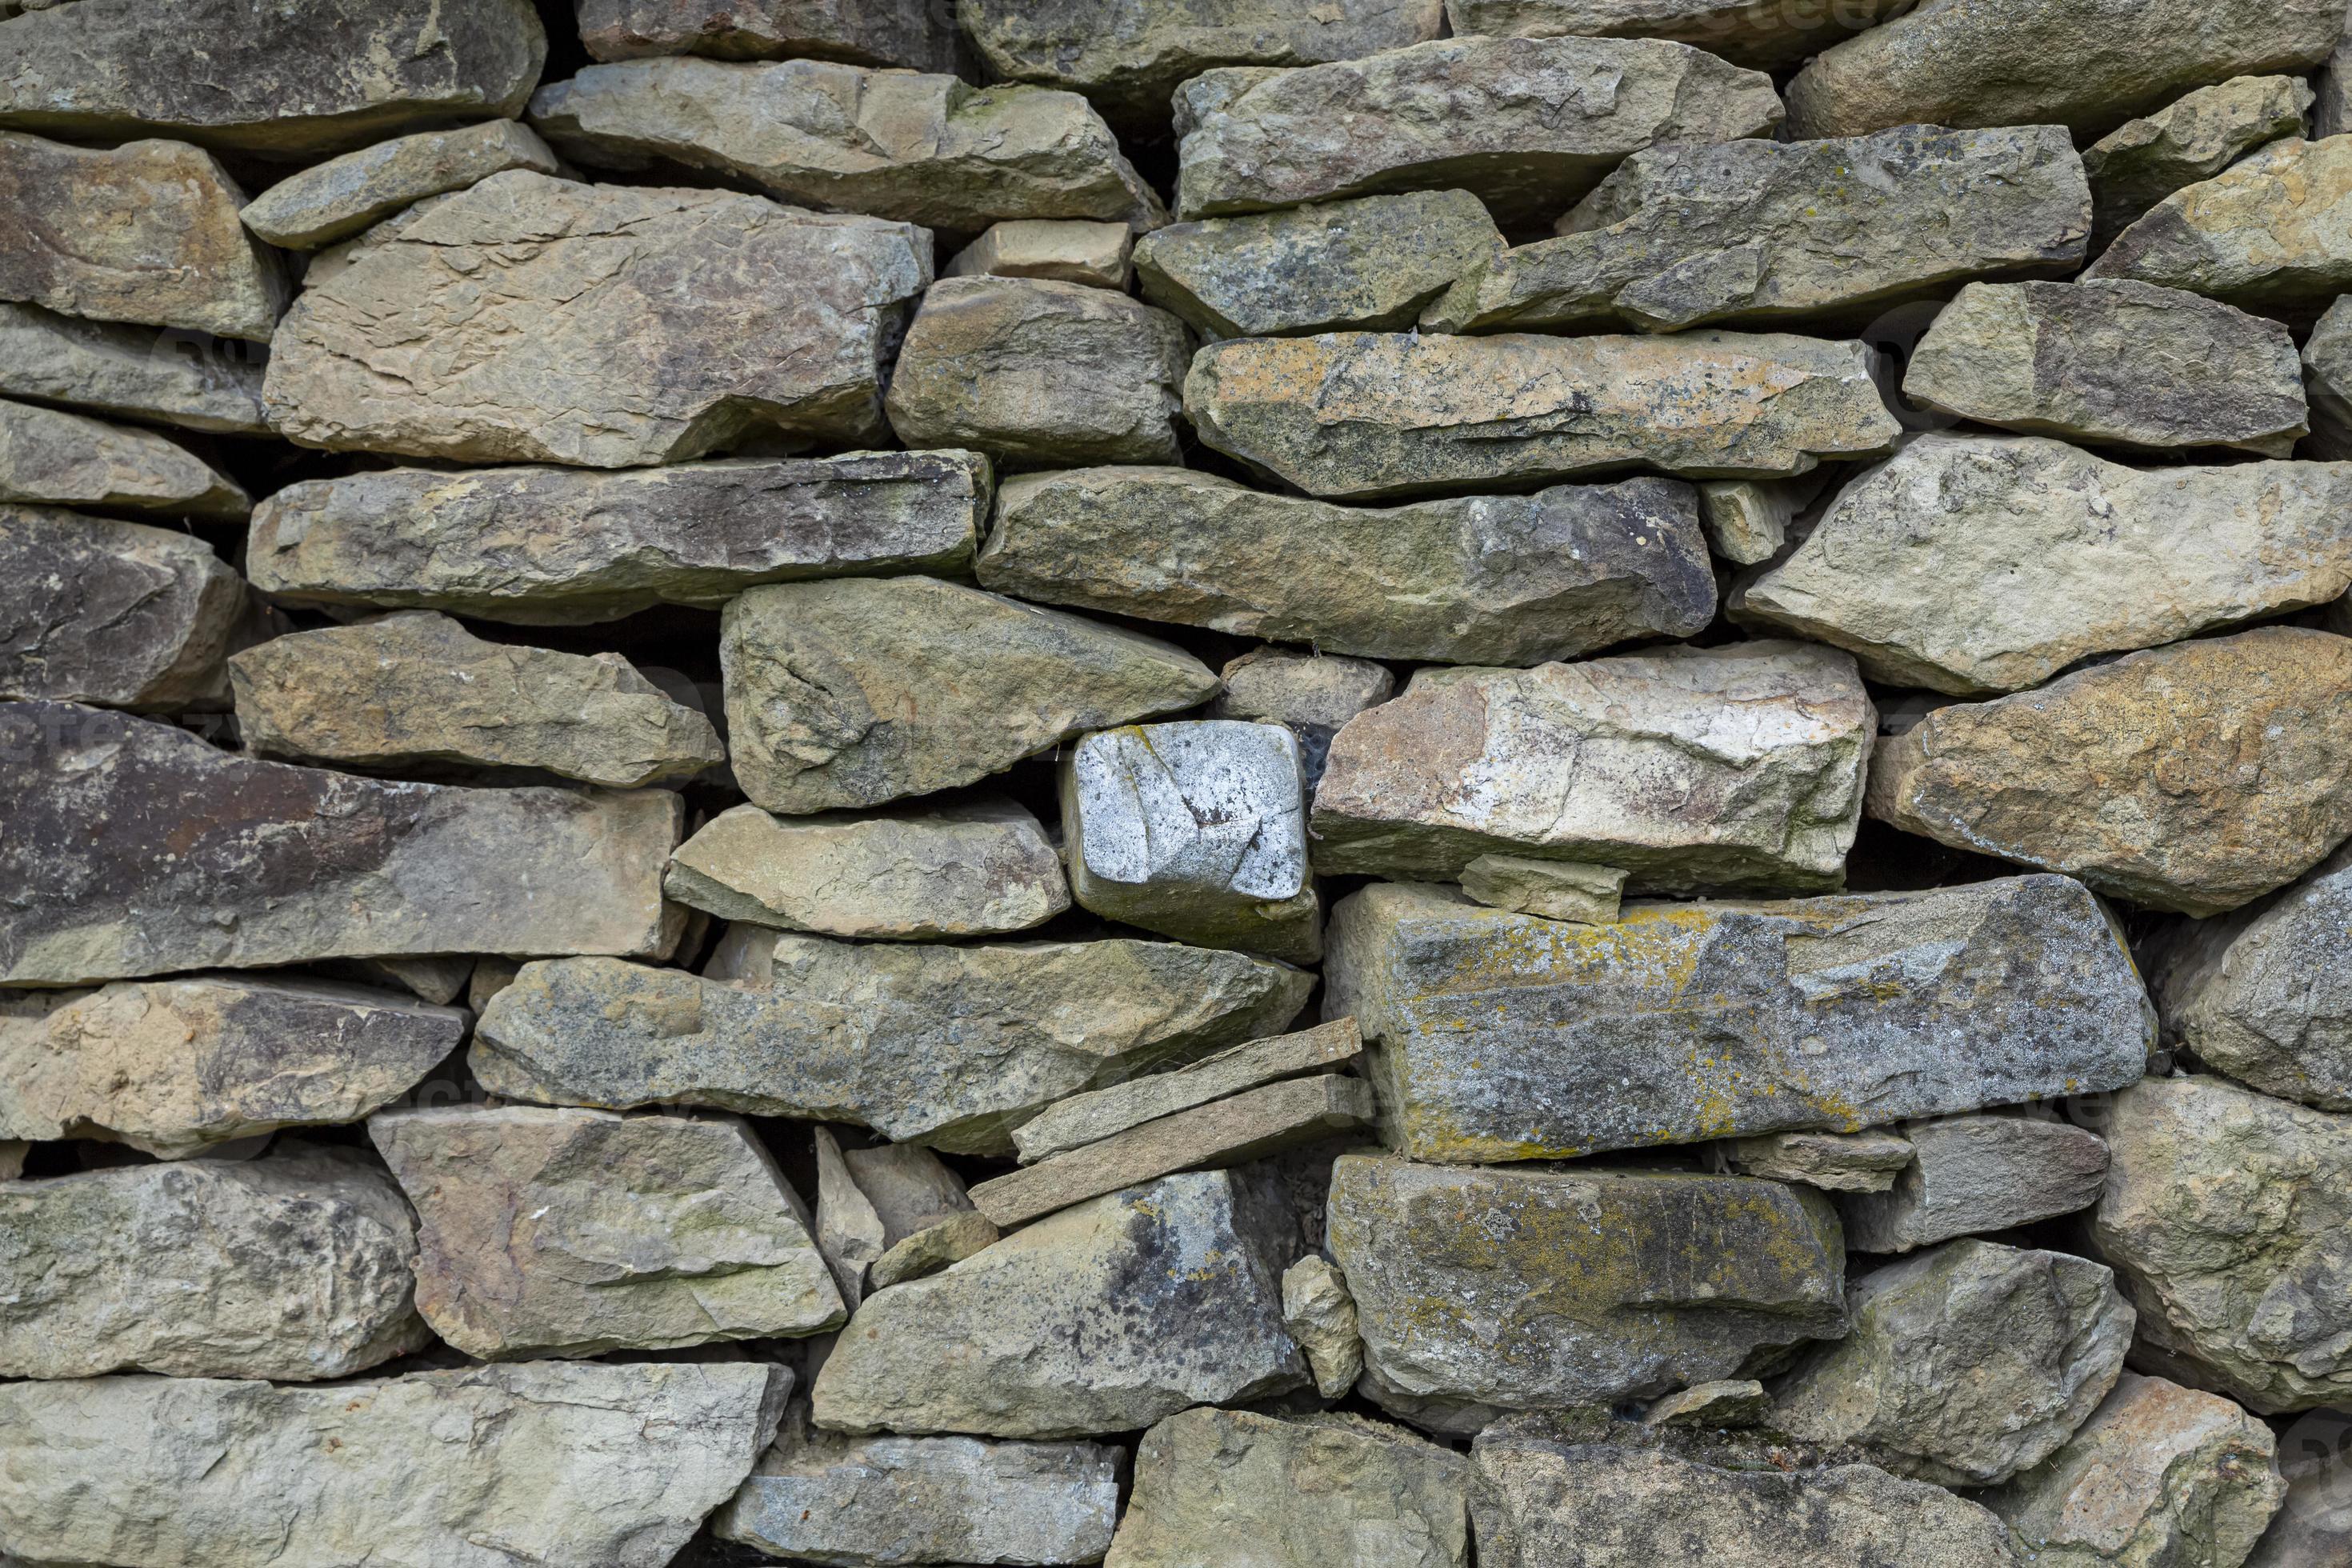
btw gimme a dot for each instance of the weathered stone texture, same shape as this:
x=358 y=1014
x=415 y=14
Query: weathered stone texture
x=1312 y=693
x=343 y=195
x=1748 y=522
x=2263 y=235
x=1556 y=889
x=1833 y=1161
x=2193 y=138
x=1069 y=250
x=1320 y=1314
x=116 y=613
x=188 y=379
x=1968 y=1174
x=910 y=33
x=2327 y=382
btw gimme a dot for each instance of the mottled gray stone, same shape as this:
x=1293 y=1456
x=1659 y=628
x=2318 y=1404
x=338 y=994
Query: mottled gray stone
x=116 y=613
x=1321 y=1316
x=1556 y=889
x=188 y=379
x=2327 y=382
x=1312 y=693
x=1069 y=250
x=911 y=33
x=51 y=457
x=1764 y=36
x=333 y=200
x=1727 y=1402
x=2262 y=234
x=1748 y=522
x=937 y=1246
x=848 y=1230
x=1968 y=1174
x=2193 y=138
x=1834 y=1162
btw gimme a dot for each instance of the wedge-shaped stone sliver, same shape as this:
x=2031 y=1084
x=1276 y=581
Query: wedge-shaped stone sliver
x=2262 y=234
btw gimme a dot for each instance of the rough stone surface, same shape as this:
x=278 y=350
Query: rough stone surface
x=2224 y=1216
x=1736 y=767
x=2327 y=382
x=858 y=691
x=174 y=1068
x=935 y=1246
x=908 y=33
x=295 y=1268
x=1764 y=37
x=2262 y=234
x=2083 y=64
x=2161 y=1476
x=146 y=232
x=56 y=459
x=1365 y=415
x=508 y=544
x=116 y=613
x=1033 y=372
x=1556 y=889
x=1500 y=1036
x=188 y=379
x=1758 y=231
x=1913 y=567
x=1834 y=1162
x=1312 y=693
x=1965 y=1366
x=1069 y=250
x=1249 y=1490
x=603 y=347
x=848 y=1231
x=977 y=868
x=274 y=863
x=1528 y=125
x=2313 y=1529
x=1103 y=1317
x=561 y=1464
x=1748 y=522
x=281 y=81
x=1369 y=264
x=333 y=200
x=1101 y=1113
x=2196 y=777
x=2193 y=138
x=1727 y=1402
x=953 y=1046
x=1321 y=1316
x=1968 y=1174
x=1485 y=1290
x=1474 y=579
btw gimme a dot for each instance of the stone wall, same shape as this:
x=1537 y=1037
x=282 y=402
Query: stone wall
x=1196 y=784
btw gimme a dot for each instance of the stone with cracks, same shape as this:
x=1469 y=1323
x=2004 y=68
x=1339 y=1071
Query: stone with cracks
x=282 y=82
x=51 y=457
x=146 y=232
x=1470 y=579
x=1321 y=1316
x=571 y=1233
x=1034 y=372
x=951 y=1046
x=927 y=149
x=2117 y=364
x=1103 y=1317
x=2160 y=1477
x=1069 y=250
x=1965 y=1364
x=632 y=325
x=1970 y=1174
x=416 y=690
x=272 y=864
x=1763 y=36
x=333 y=200
x=1834 y=1162
x=116 y=613
x=1312 y=693
x=175 y=1067
x=1556 y=889
x=2195 y=777
x=980 y=868
x=1759 y=232
x=557 y=1464
x=1526 y=125
x=2084 y=64
x=1484 y=1291
x=295 y=1266
x=188 y=379
x=1101 y=1113
x=858 y=691
x=508 y=544
x=2193 y=138
x=908 y=33
x=2263 y=235
x=1914 y=568
x=2224 y=1216
x=1737 y=767
x=1248 y=1490
x=1368 y=265
x=1501 y=1036
x=1361 y=416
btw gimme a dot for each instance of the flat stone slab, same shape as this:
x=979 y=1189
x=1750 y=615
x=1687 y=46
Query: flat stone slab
x=51 y=457
x=336 y=199
x=1556 y=889
x=2193 y=138
x=1502 y=1037
x=506 y=544
x=114 y=613
x=272 y=864
x=197 y=381
x=1763 y=37
x=896 y=33
x=2257 y=236
x=1833 y=1161
x=1970 y=1174
x=1068 y=250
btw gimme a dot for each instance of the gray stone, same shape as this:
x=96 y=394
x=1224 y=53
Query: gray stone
x=271 y=864
x=935 y=1246
x=296 y=1268
x=1834 y=1162
x=1103 y=1317
x=2193 y=138
x=56 y=459
x=1913 y=567
x=858 y=691
x=2331 y=86
x=1478 y=1291
x=848 y=1230
x=564 y=1465
x=2313 y=1529
x=908 y=33
x=1069 y=250
x=1312 y=693
x=333 y=200
x=1965 y=1364
x=116 y=613
x=508 y=544
x=1321 y=1316
x=1725 y=1402
x=1526 y=125
x=2327 y=382
x=1767 y=232
x=1369 y=264
x=909 y=1187
x=1968 y=1174
x=1748 y=522
x=1737 y=767
x=1556 y=889
x=632 y=326
x=1471 y=579
x=188 y=379
x=2262 y=234
x=1034 y=372
x=1765 y=37
x=952 y=1046
x=174 y=1068
x=1361 y=416
x=1501 y=1036
x=2119 y=363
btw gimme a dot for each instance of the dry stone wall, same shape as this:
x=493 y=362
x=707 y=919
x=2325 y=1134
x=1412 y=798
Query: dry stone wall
x=1185 y=784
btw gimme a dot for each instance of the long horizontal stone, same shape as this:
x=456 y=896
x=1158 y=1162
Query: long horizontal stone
x=1969 y=1175
x=508 y=544
x=269 y=864
x=1100 y=1113
x=1503 y=1037
x=1361 y=416
x=1763 y=37
x=116 y=613
x=947 y=1046
x=1067 y=250
x=51 y=457
x=333 y=200
x=2260 y=235
x=1738 y=766
x=892 y=33
x=1481 y=579
x=188 y=379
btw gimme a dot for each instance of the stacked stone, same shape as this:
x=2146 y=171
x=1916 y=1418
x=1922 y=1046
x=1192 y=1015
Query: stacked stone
x=749 y=810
